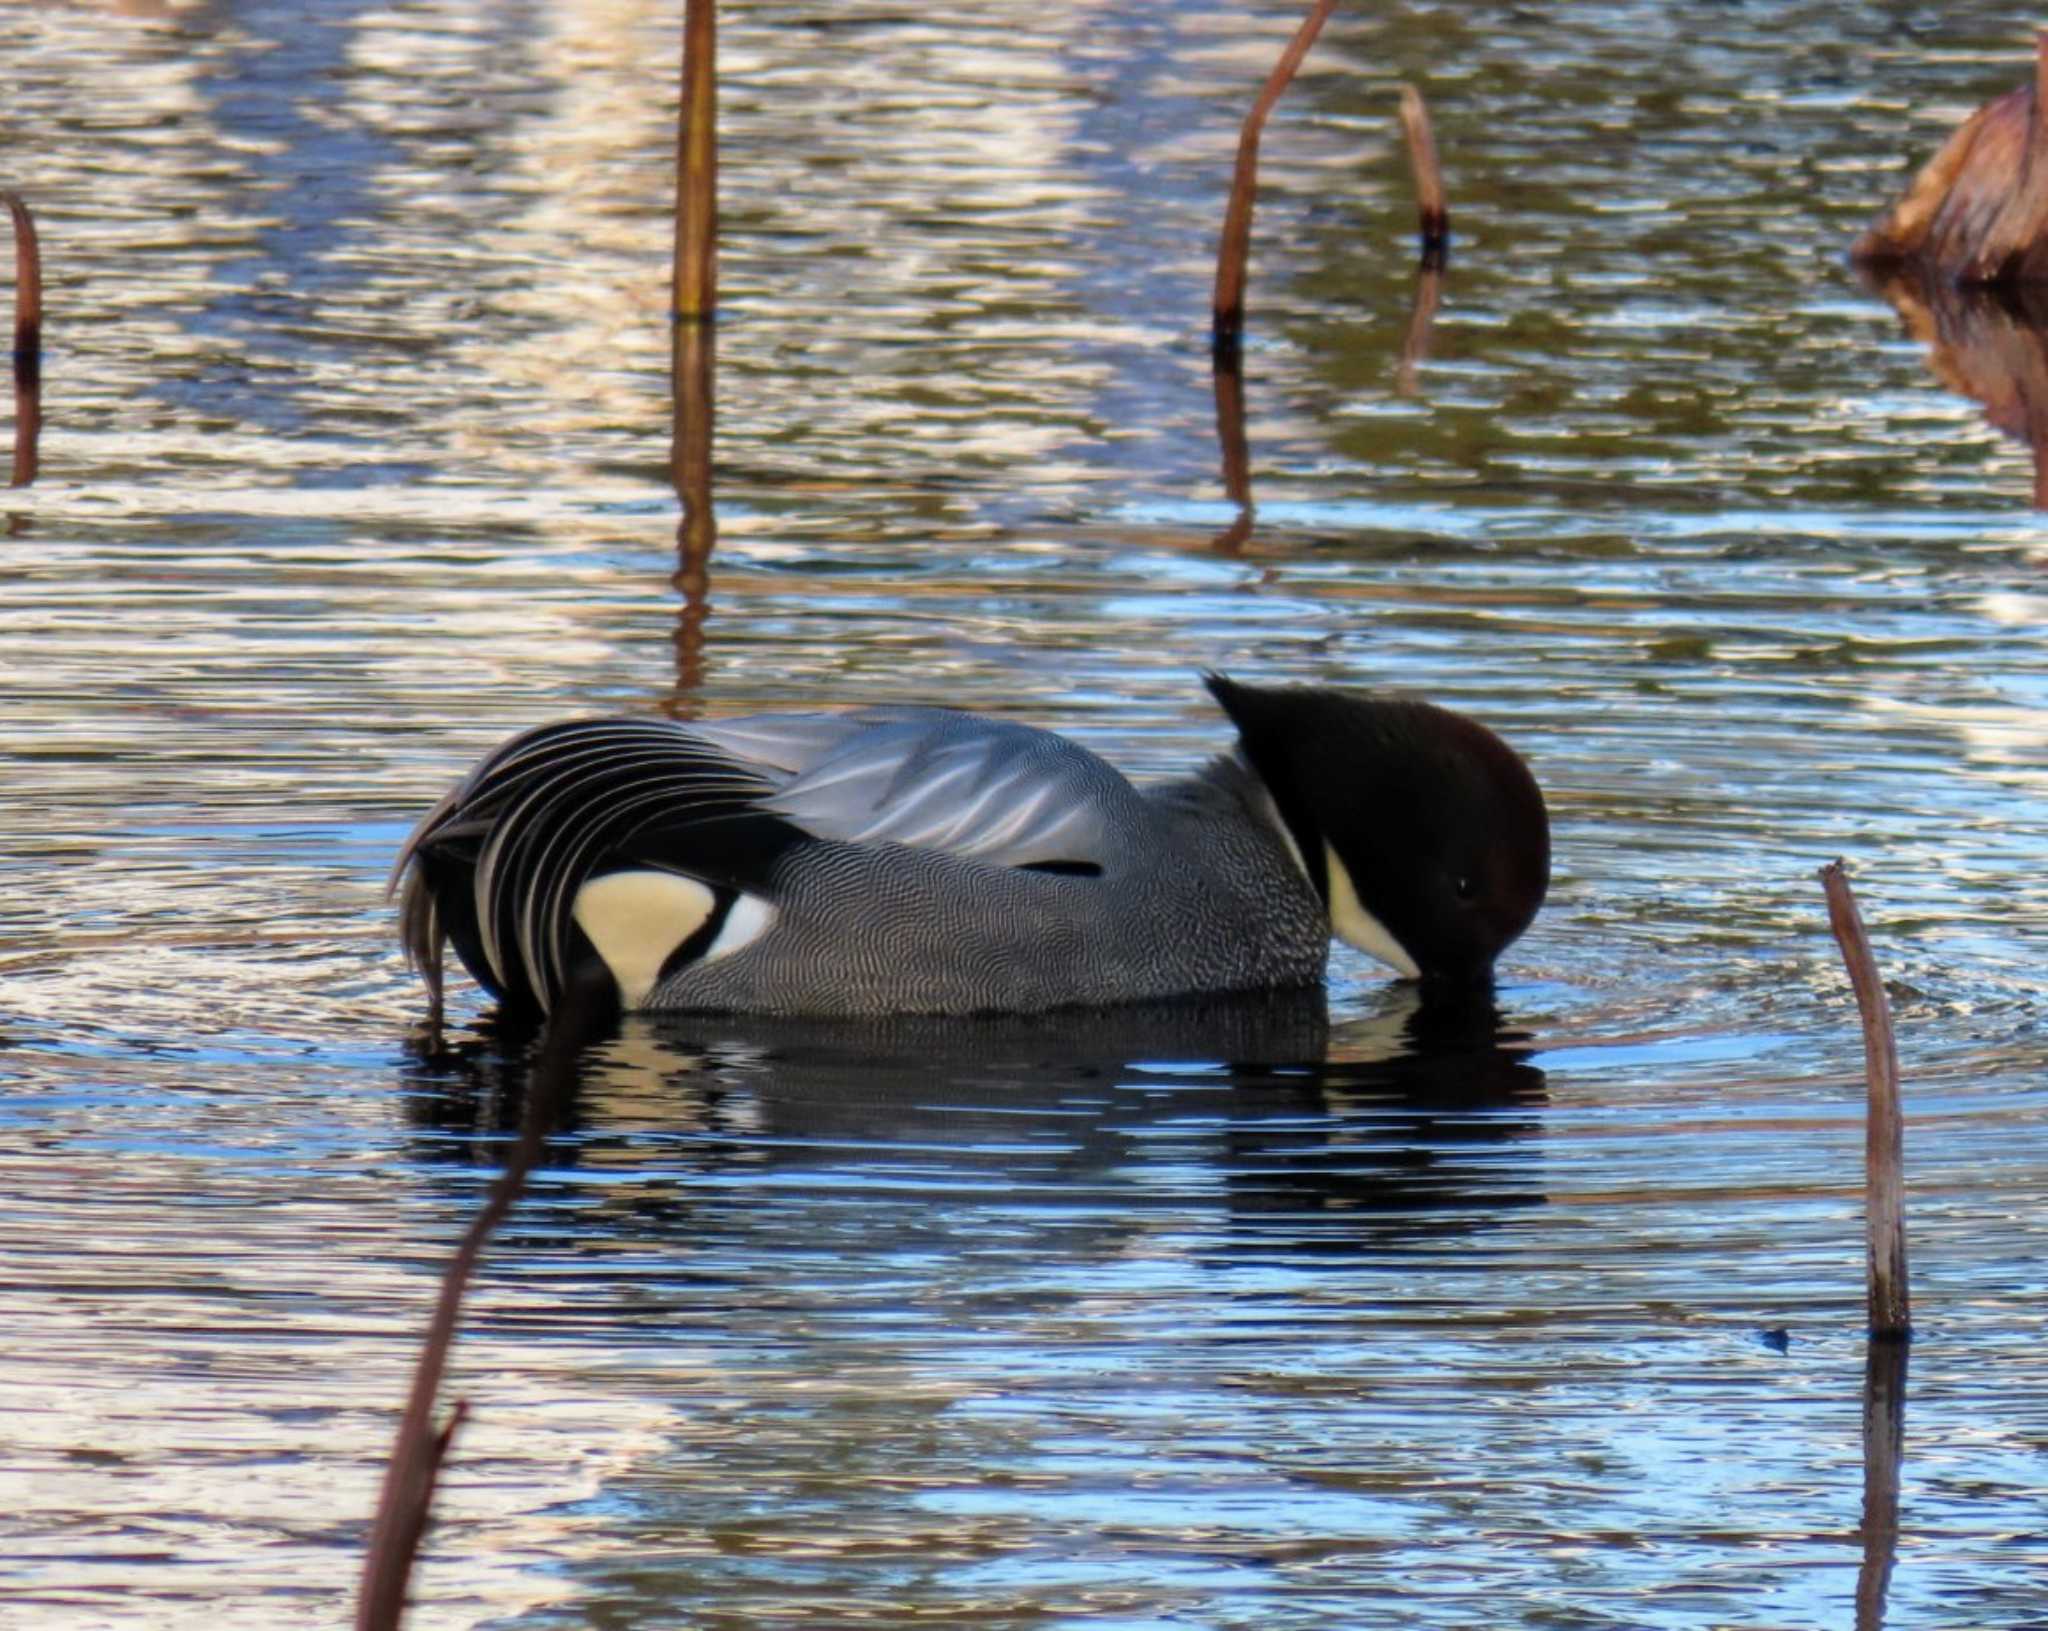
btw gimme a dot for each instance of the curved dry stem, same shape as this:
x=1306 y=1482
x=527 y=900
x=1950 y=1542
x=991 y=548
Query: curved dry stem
x=1235 y=248
x=406 y=1500
x=1891 y=1314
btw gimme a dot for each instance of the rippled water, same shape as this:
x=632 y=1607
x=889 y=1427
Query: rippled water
x=355 y=459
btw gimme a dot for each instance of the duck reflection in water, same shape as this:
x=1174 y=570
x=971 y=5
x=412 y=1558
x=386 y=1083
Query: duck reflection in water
x=1311 y=1136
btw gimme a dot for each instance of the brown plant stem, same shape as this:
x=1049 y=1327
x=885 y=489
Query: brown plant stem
x=1228 y=378
x=1234 y=250
x=1891 y=1315
x=697 y=530
x=694 y=304
x=28 y=339
x=695 y=297
x=1429 y=287
x=1433 y=214
x=405 y=1503
x=1884 y=1446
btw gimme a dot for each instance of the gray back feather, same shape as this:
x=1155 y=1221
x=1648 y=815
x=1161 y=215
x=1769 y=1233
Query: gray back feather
x=935 y=779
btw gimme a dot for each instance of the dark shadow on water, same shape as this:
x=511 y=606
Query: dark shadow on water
x=1301 y=1137
x=1420 y=1123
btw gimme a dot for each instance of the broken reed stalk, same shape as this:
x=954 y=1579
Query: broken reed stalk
x=28 y=339
x=695 y=296
x=1432 y=213
x=407 y=1497
x=1891 y=1315
x=1227 y=325
x=406 y=1500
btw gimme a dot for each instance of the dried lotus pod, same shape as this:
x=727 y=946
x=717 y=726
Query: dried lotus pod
x=1977 y=213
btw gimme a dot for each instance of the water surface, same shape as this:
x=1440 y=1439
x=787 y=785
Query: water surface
x=355 y=461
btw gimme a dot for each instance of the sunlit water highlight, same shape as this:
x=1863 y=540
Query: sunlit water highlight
x=355 y=461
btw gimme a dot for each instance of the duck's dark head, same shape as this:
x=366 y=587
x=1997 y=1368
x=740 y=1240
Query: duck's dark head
x=1423 y=831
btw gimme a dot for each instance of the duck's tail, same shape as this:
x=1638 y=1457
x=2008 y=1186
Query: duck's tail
x=508 y=867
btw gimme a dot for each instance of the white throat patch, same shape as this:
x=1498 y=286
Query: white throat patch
x=1356 y=926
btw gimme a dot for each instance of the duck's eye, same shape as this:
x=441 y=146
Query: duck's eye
x=1464 y=887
